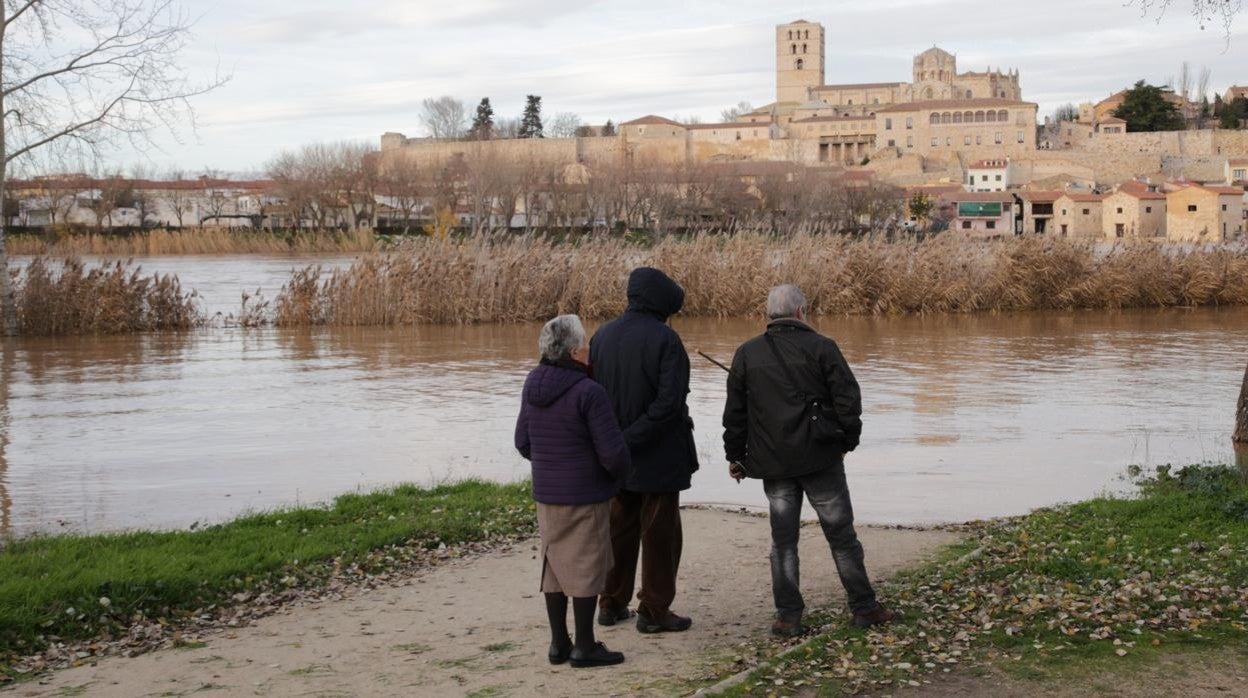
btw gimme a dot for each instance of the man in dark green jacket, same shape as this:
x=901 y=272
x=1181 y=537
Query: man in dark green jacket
x=793 y=411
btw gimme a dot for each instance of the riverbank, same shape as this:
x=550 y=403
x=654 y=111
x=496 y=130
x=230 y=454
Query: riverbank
x=1100 y=588
x=477 y=626
x=66 y=599
x=193 y=241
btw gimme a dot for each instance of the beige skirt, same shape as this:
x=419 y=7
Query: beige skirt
x=576 y=547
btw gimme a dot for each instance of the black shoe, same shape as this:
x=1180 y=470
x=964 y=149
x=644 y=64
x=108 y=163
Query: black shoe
x=670 y=623
x=559 y=654
x=787 y=628
x=599 y=656
x=608 y=617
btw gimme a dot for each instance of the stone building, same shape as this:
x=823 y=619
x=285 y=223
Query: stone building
x=1197 y=213
x=1135 y=210
x=1037 y=210
x=1078 y=215
x=984 y=214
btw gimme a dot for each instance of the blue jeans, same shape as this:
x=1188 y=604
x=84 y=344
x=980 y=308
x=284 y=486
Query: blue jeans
x=829 y=496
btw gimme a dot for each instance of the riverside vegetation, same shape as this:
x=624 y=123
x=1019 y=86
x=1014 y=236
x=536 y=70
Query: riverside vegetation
x=151 y=243
x=65 y=598
x=519 y=279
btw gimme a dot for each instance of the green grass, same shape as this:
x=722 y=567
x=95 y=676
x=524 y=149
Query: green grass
x=77 y=587
x=1107 y=583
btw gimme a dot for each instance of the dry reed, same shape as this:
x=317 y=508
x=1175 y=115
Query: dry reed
x=509 y=279
x=157 y=242
x=69 y=298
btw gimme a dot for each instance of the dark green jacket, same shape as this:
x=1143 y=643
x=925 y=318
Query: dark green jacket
x=766 y=423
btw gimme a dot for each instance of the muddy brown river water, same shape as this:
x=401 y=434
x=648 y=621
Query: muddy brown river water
x=965 y=416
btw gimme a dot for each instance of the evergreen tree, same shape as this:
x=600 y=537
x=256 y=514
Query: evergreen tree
x=483 y=122
x=1234 y=113
x=608 y=129
x=531 y=121
x=1145 y=108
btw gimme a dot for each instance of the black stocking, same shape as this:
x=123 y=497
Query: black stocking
x=557 y=613
x=583 y=612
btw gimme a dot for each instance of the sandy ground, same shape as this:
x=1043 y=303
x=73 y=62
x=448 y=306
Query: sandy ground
x=478 y=627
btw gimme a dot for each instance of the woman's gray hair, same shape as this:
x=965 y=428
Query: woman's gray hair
x=785 y=301
x=560 y=336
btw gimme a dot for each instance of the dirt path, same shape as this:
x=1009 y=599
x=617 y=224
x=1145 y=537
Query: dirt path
x=478 y=627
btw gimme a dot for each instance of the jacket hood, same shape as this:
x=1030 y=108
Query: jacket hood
x=547 y=383
x=652 y=291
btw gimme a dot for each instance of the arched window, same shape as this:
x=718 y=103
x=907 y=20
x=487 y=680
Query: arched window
x=790 y=35
x=970 y=95
x=799 y=64
x=803 y=48
x=945 y=118
x=992 y=116
x=927 y=94
x=849 y=103
x=1003 y=115
x=935 y=118
x=979 y=117
x=794 y=47
x=957 y=117
x=807 y=34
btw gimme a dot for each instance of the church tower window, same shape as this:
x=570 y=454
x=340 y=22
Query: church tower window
x=799 y=64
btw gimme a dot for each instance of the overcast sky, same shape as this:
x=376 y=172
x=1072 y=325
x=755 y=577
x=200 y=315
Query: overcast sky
x=314 y=70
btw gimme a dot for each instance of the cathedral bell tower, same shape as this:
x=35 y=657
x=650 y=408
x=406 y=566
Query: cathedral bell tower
x=799 y=60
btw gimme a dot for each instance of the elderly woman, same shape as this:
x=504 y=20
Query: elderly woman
x=568 y=430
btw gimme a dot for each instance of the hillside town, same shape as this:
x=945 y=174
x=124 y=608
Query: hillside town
x=948 y=150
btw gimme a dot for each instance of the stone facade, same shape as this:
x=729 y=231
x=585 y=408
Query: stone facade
x=1135 y=211
x=1204 y=214
x=799 y=60
x=1078 y=215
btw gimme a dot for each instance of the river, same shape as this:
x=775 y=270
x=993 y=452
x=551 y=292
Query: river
x=965 y=416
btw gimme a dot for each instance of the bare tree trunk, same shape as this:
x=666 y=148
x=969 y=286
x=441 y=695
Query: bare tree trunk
x=1241 y=413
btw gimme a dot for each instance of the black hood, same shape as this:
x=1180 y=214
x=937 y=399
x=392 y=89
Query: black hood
x=548 y=382
x=652 y=291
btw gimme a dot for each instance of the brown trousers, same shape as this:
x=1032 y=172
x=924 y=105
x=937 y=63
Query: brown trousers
x=648 y=524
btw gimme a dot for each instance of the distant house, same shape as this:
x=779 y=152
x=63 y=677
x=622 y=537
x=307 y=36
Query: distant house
x=1235 y=91
x=1196 y=213
x=1078 y=215
x=1135 y=210
x=989 y=175
x=984 y=214
x=1237 y=171
x=1038 y=210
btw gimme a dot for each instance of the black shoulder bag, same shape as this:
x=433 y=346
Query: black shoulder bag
x=820 y=414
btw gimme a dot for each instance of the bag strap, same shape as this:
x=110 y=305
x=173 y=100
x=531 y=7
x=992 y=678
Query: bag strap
x=788 y=372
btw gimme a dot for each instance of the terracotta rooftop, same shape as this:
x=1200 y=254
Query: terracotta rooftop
x=652 y=120
x=1237 y=161
x=1113 y=120
x=1223 y=190
x=1040 y=196
x=1139 y=190
x=955 y=103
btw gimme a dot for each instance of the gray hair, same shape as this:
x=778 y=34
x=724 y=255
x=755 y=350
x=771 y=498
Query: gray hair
x=560 y=336
x=785 y=301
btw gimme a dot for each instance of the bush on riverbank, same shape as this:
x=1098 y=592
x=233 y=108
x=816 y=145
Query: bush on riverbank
x=527 y=279
x=1113 y=580
x=151 y=243
x=69 y=298
x=132 y=588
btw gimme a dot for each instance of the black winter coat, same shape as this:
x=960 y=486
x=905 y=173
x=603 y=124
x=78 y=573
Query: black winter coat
x=644 y=367
x=766 y=424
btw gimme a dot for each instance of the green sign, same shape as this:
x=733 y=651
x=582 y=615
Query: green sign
x=979 y=209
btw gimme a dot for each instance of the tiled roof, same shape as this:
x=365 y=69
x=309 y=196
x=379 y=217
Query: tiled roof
x=1040 y=196
x=652 y=120
x=1085 y=198
x=1224 y=190
x=1139 y=190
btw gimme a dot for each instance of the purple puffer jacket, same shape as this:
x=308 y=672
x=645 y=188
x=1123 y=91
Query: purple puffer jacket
x=569 y=432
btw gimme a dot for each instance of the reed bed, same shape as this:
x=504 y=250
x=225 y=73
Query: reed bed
x=152 y=243
x=509 y=279
x=69 y=298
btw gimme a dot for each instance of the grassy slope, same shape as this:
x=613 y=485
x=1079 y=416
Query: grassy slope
x=75 y=587
x=1108 y=583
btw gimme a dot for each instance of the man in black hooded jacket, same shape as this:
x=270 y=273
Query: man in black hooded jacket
x=642 y=363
